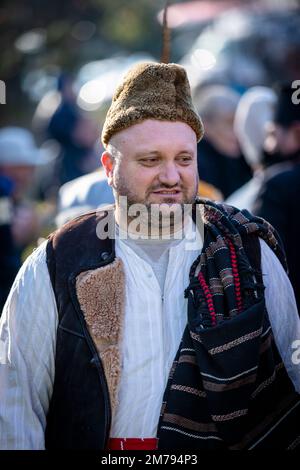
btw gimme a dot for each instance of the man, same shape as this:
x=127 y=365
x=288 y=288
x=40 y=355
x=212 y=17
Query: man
x=279 y=198
x=147 y=337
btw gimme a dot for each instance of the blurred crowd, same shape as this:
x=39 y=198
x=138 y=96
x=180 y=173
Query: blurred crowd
x=249 y=157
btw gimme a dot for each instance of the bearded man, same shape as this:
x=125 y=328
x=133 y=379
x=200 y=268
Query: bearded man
x=135 y=329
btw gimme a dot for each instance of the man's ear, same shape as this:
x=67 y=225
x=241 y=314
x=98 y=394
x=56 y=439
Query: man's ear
x=108 y=165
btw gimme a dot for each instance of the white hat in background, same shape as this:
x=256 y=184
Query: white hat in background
x=17 y=147
x=255 y=109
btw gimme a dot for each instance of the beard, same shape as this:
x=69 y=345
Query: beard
x=165 y=217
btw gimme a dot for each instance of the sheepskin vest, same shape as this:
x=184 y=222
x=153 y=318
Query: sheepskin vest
x=90 y=314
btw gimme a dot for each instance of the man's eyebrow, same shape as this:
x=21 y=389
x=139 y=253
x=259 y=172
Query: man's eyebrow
x=147 y=153
x=189 y=151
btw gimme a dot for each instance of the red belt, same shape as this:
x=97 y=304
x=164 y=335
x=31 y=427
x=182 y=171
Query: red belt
x=132 y=444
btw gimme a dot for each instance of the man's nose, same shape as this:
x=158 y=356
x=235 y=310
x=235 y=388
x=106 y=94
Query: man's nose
x=169 y=175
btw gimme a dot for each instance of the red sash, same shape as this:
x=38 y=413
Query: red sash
x=132 y=444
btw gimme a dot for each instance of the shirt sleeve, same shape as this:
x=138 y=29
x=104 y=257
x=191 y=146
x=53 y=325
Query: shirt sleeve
x=27 y=354
x=283 y=313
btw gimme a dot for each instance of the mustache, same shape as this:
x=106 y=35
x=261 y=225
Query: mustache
x=165 y=187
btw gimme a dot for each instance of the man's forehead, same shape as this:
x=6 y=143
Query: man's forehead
x=150 y=134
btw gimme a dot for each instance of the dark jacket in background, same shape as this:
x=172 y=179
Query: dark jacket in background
x=279 y=203
x=10 y=261
x=225 y=173
x=61 y=127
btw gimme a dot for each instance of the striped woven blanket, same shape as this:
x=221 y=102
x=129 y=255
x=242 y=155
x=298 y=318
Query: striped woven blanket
x=228 y=388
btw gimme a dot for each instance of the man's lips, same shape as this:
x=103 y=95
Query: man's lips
x=167 y=192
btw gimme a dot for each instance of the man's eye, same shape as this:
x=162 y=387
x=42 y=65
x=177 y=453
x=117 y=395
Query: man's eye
x=148 y=161
x=185 y=159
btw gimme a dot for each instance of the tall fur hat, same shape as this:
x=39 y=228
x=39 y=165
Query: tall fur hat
x=152 y=91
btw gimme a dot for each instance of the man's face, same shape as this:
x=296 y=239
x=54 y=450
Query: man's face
x=156 y=163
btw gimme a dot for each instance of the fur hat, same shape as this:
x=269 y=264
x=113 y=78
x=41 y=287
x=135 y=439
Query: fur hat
x=152 y=91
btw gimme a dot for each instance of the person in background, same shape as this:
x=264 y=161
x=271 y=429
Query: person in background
x=75 y=133
x=279 y=198
x=19 y=157
x=220 y=161
x=254 y=113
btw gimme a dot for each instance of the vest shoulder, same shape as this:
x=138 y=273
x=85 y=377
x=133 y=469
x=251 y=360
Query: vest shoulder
x=83 y=226
x=81 y=243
